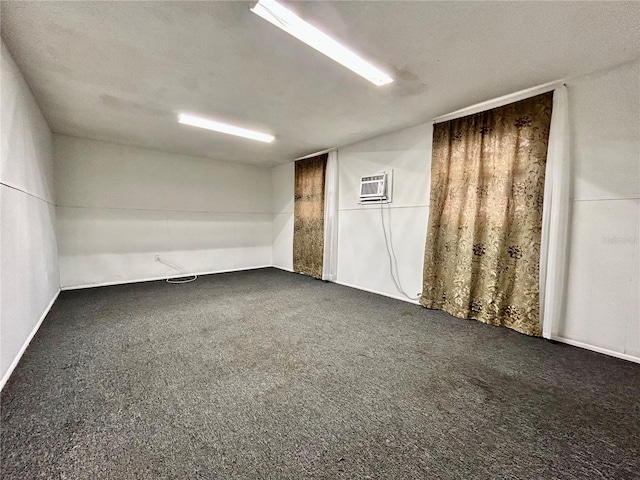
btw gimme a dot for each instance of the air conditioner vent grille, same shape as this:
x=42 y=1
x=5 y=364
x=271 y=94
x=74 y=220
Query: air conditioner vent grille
x=370 y=188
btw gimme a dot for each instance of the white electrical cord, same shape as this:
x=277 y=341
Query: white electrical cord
x=180 y=269
x=392 y=256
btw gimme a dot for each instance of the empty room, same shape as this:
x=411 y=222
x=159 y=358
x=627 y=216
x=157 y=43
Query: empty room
x=329 y=239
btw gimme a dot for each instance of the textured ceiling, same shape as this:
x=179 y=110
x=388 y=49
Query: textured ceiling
x=121 y=71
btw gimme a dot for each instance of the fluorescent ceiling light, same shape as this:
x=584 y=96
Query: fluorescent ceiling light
x=288 y=21
x=194 y=121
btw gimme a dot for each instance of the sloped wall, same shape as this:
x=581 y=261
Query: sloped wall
x=29 y=261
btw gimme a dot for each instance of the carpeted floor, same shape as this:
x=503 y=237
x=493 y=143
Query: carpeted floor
x=269 y=374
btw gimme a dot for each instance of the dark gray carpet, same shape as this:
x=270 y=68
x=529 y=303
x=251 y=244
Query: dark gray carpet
x=268 y=374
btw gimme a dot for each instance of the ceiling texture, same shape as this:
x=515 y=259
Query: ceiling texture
x=122 y=71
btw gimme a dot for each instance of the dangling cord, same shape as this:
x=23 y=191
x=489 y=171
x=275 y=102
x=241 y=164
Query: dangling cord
x=392 y=255
x=175 y=281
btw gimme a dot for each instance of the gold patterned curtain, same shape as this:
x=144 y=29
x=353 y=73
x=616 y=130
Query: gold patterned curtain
x=485 y=219
x=308 y=230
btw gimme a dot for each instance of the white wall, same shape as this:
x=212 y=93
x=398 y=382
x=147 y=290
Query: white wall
x=603 y=300
x=363 y=260
x=119 y=206
x=29 y=279
x=282 y=178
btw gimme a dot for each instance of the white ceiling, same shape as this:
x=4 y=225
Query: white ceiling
x=121 y=71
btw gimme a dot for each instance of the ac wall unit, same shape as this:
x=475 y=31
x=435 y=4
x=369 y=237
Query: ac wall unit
x=375 y=188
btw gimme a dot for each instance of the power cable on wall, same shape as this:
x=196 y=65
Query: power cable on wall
x=179 y=280
x=388 y=242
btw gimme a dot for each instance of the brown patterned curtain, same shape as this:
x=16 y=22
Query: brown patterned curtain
x=308 y=230
x=485 y=219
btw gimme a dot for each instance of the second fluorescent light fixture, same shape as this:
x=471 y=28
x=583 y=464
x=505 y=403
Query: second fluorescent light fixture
x=288 y=21
x=194 y=121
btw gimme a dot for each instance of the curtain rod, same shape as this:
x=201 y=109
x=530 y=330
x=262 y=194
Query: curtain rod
x=316 y=154
x=503 y=100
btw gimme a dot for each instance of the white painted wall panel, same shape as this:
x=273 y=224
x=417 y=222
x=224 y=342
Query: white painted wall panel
x=363 y=261
x=29 y=275
x=602 y=288
x=362 y=255
x=603 y=295
x=91 y=173
x=282 y=234
x=29 y=268
x=283 y=183
x=407 y=152
x=25 y=161
x=632 y=346
x=120 y=206
x=605 y=129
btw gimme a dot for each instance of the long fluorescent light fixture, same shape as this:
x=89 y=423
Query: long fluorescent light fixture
x=288 y=21
x=194 y=121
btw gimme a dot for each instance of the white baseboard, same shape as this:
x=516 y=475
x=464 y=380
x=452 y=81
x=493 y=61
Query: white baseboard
x=593 y=348
x=397 y=297
x=16 y=360
x=153 y=279
x=283 y=268
x=568 y=341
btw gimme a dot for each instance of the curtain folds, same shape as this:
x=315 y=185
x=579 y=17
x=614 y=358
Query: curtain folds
x=308 y=230
x=554 y=252
x=330 y=262
x=486 y=215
